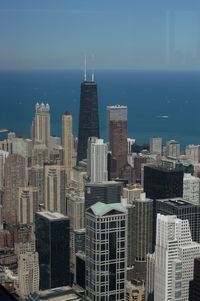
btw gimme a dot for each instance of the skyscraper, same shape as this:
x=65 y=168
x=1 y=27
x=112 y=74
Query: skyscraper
x=67 y=142
x=52 y=244
x=54 y=188
x=155 y=144
x=88 y=116
x=106 y=192
x=143 y=234
x=28 y=204
x=174 y=259
x=15 y=177
x=41 y=124
x=97 y=160
x=117 y=134
x=162 y=183
x=106 y=252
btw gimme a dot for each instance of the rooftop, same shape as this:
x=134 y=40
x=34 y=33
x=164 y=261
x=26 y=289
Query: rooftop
x=101 y=208
x=176 y=202
x=52 y=215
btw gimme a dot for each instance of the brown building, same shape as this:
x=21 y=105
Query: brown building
x=117 y=134
x=15 y=177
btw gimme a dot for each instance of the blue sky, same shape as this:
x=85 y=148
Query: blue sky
x=133 y=34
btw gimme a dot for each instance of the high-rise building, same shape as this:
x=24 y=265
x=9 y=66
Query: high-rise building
x=15 y=177
x=193 y=152
x=55 y=188
x=106 y=252
x=196 y=281
x=174 y=259
x=97 y=160
x=3 y=156
x=117 y=134
x=155 y=145
x=75 y=210
x=191 y=189
x=41 y=124
x=40 y=154
x=142 y=234
x=183 y=210
x=88 y=116
x=173 y=149
x=67 y=142
x=28 y=274
x=162 y=183
x=36 y=179
x=52 y=231
x=135 y=290
x=106 y=192
x=28 y=205
x=149 y=283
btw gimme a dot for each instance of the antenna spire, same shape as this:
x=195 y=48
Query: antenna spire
x=93 y=68
x=85 y=69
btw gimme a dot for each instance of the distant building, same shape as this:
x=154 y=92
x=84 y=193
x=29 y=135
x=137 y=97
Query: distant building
x=106 y=265
x=67 y=142
x=36 y=179
x=15 y=177
x=174 y=259
x=132 y=192
x=28 y=274
x=155 y=144
x=149 y=283
x=173 y=149
x=193 y=152
x=40 y=155
x=142 y=234
x=28 y=205
x=52 y=244
x=117 y=124
x=191 y=189
x=97 y=160
x=3 y=156
x=88 y=116
x=41 y=124
x=106 y=192
x=162 y=183
x=55 y=188
x=183 y=210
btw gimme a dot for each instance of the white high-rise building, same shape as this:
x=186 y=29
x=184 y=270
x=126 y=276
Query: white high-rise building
x=55 y=188
x=28 y=204
x=191 y=189
x=155 y=144
x=97 y=160
x=41 y=124
x=174 y=259
x=193 y=152
x=106 y=252
x=28 y=273
x=3 y=156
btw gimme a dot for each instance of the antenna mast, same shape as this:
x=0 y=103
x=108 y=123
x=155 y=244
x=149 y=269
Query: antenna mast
x=85 y=69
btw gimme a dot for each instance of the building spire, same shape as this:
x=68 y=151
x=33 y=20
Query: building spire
x=92 y=67
x=85 y=68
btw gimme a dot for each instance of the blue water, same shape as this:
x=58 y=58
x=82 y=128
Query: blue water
x=148 y=94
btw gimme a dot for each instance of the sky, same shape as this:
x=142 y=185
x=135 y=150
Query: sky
x=113 y=34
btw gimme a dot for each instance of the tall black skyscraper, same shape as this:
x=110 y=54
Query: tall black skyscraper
x=52 y=244
x=88 y=116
